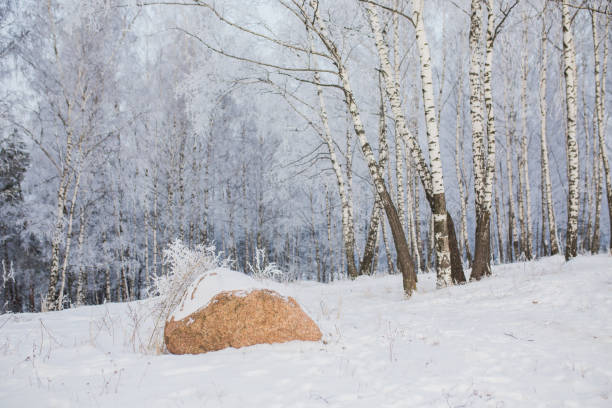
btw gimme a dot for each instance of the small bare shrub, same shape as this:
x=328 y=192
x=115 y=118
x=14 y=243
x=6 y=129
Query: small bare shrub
x=184 y=266
x=263 y=269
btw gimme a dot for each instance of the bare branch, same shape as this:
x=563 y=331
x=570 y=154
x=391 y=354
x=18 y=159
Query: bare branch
x=252 y=61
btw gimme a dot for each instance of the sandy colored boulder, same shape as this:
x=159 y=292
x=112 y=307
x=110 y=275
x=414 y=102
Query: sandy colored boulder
x=238 y=319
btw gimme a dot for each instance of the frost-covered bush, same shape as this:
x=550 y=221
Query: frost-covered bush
x=184 y=265
x=262 y=269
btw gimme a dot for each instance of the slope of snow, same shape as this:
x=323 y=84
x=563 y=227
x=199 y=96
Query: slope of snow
x=212 y=282
x=537 y=334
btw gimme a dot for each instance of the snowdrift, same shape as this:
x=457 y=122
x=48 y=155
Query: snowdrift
x=535 y=334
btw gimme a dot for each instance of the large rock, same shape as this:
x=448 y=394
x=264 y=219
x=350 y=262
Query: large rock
x=235 y=318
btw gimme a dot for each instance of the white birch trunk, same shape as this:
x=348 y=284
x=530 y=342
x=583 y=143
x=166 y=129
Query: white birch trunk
x=390 y=268
x=476 y=108
x=525 y=154
x=460 y=167
x=51 y=300
x=399 y=153
x=417 y=223
x=209 y=147
x=569 y=69
x=107 y=272
x=370 y=250
x=413 y=221
x=443 y=270
x=484 y=166
x=513 y=239
x=595 y=240
x=330 y=247
x=547 y=203
x=81 y=294
x=348 y=228
x=77 y=183
x=600 y=96
x=499 y=218
x=147 y=223
x=181 y=187
x=587 y=202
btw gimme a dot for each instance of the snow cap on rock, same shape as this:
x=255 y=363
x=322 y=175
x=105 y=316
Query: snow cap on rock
x=211 y=283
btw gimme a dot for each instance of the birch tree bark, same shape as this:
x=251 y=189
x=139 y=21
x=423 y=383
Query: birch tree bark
x=415 y=180
x=315 y=241
x=51 y=301
x=513 y=239
x=589 y=183
x=600 y=97
x=460 y=169
x=245 y=217
x=155 y=214
x=233 y=250
x=181 y=185
x=443 y=270
x=597 y=181
x=587 y=196
x=399 y=153
x=81 y=294
x=528 y=238
x=348 y=228
x=330 y=247
x=107 y=271
x=372 y=236
x=413 y=219
x=569 y=71
x=147 y=225
x=209 y=151
x=484 y=168
x=548 y=211
x=498 y=217
x=77 y=183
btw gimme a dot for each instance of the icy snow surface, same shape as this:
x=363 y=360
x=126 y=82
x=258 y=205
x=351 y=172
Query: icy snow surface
x=537 y=334
x=210 y=283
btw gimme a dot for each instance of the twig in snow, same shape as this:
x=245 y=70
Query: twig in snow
x=514 y=337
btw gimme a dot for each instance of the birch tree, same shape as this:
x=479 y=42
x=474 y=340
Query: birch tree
x=600 y=106
x=432 y=180
x=513 y=239
x=484 y=166
x=383 y=156
x=348 y=228
x=548 y=212
x=527 y=237
x=460 y=168
x=405 y=263
x=569 y=72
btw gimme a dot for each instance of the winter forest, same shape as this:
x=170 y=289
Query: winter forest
x=332 y=139
x=305 y=203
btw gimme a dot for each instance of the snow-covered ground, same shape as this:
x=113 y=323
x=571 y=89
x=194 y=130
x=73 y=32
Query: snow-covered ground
x=537 y=334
